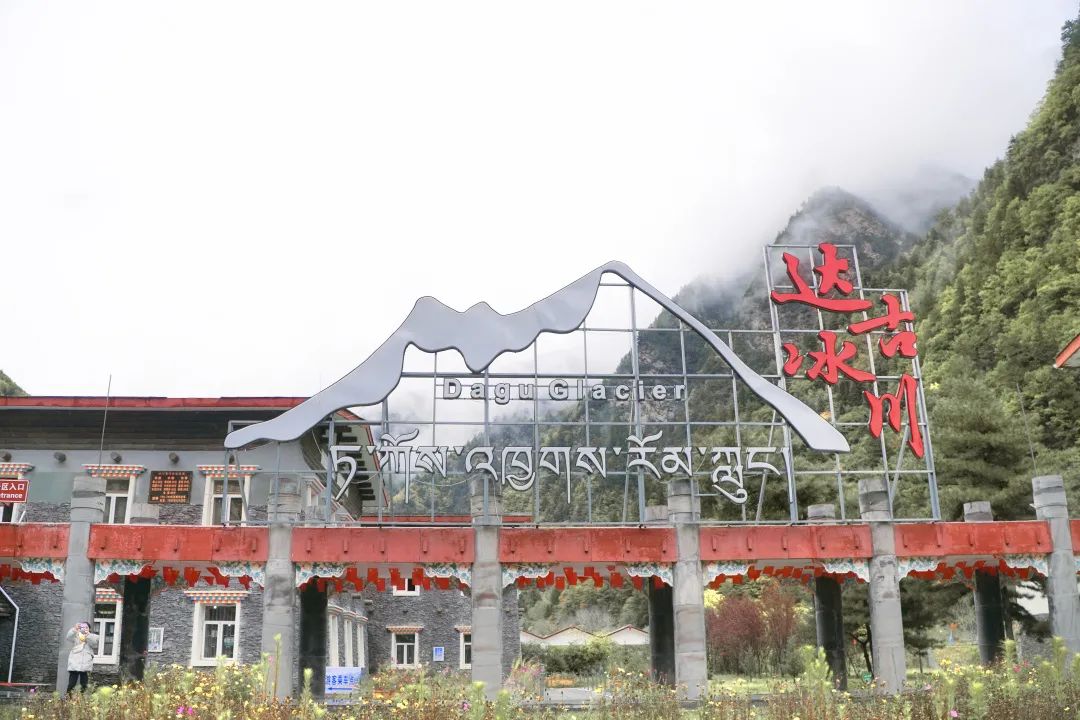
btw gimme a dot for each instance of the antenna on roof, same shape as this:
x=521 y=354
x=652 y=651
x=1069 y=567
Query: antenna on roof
x=104 y=417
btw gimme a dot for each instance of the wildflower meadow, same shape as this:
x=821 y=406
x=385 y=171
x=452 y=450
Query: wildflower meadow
x=1048 y=690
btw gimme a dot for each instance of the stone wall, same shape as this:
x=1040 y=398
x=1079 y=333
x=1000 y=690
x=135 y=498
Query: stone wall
x=39 y=634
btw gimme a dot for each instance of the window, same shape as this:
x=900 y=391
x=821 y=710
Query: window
x=11 y=512
x=107 y=627
x=466 y=650
x=411 y=588
x=349 y=643
x=405 y=649
x=332 y=640
x=361 y=645
x=217 y=629
x=118 y=500
x=235 y=510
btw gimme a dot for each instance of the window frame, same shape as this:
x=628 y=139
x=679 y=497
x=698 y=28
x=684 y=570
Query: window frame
x=462 y=665
x=348 y=634
x=198 y=635
x=332 y=646
x=394 y=643
x=110 y=502
x=414 y=592
x=238 y=487
x=99 y=630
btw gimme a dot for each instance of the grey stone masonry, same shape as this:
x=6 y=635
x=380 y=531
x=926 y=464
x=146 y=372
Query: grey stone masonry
x=1061 y=592
x=87 y=507
x=886 y=622
x=691 y=670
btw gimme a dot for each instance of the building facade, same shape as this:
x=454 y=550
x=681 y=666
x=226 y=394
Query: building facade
x=159 y=462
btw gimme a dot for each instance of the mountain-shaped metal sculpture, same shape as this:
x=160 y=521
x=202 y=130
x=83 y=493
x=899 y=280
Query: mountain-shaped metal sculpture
x=481 y=334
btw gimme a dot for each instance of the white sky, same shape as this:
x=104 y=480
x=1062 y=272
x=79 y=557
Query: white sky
x=246 y=198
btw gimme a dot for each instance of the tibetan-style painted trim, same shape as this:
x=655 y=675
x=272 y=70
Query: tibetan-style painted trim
x=308 y=571
x=255 y=571
x=660 y=570
x=858 y=568
x=463 y=573
x=104 y=568
x=713 y=570
x=53 y=566
x=510 y=573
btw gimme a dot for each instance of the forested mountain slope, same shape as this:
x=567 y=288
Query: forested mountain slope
x=996 y=287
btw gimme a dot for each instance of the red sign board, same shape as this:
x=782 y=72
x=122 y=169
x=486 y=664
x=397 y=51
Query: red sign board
x=13 y=491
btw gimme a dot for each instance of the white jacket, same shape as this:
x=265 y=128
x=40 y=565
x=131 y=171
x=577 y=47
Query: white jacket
x=81 y=657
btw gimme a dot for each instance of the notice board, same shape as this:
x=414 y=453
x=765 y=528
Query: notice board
x=170 y=487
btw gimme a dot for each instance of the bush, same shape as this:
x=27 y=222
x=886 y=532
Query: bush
x=586 y=660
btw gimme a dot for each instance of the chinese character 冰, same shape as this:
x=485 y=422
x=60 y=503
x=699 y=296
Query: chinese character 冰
x=829 y=363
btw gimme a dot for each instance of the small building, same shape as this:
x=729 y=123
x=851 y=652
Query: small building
x=573 y=635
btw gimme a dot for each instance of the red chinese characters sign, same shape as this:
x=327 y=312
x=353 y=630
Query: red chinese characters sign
x=832 y=293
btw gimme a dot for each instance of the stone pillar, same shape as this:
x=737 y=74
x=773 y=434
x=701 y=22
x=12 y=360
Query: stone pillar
x=487 y=589
x=829 y=609
x=989 y=613
x=886 y=622
x=279 y=595
x=135 y=628
x=1050 y=505
x=87 y=507
x=691 y=670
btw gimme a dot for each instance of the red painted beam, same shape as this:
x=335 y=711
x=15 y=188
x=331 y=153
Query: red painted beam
x=960 y=538
x=48 y=540
x=178 y=543
x=585 y=545
x=367 y=545
x=783 y=542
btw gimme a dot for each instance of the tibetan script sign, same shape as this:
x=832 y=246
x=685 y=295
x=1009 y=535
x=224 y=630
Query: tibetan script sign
x=14 y=491
x=170 y=487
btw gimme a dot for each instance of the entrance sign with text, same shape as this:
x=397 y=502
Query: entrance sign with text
x=582 y=406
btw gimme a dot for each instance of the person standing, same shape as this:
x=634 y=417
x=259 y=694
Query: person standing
x=81 y=657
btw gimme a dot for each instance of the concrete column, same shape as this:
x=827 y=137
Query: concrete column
x=1050 y=505
x=886 y=622
x=691 y=670
x=487 y=589
x=829 y=609
x=989 y=612
x=87 y=507
x=279 y=592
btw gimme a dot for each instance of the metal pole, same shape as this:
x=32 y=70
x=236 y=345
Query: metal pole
x=637 y=403
x=328 y=492
x=789 y=456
